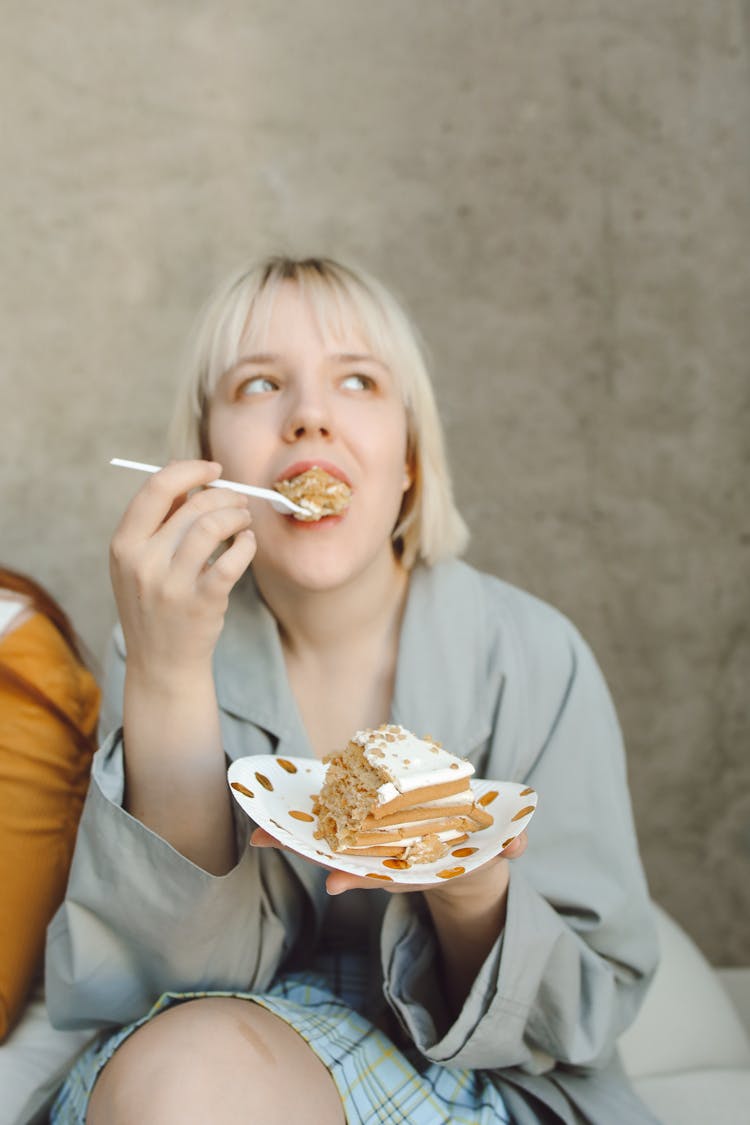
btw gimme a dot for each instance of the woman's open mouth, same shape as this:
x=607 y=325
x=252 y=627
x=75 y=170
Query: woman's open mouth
x=318 y=492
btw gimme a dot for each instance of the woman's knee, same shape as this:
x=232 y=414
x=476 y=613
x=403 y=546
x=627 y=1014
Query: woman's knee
x=214 y=1059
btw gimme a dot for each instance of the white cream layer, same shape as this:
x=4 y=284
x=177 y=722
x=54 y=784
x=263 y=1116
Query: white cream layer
x=423 y=825
x=407 y=762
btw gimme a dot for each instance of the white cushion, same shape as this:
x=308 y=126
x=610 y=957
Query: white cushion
x=700 y=1098
x=34 y=1060
x=687 y=1021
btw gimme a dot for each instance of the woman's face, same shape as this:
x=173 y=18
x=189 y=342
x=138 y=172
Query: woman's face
x=294 y=400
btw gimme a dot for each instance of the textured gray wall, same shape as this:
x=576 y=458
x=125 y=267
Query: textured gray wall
x=561 y=193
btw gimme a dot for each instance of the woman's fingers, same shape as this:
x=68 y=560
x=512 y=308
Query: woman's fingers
x=200 y=538
x=174 y=553
x=200 y=506
x=174 y=559
x=517 y=847
x=262 y=839
x=340 y=881
x=152 y=504
x=222 y=574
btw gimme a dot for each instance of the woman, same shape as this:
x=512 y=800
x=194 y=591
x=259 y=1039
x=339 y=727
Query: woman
x=49 y=703
x=496 y=996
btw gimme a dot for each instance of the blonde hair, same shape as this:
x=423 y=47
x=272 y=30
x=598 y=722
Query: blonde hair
x=429 y=526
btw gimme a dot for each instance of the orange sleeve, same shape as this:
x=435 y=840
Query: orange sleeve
x=44 y=772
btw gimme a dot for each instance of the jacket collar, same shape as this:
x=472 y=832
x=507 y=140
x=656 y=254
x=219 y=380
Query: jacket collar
x=250 y=674
x=440 y=674
x=441 y=671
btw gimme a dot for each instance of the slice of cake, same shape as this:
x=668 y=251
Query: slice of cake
x=317 y=491
x=392 y=794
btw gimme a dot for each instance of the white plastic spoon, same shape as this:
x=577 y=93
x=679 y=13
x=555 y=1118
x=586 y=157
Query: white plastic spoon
x=277 y=501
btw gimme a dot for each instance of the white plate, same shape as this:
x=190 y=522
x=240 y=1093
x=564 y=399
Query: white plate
x=277 y=793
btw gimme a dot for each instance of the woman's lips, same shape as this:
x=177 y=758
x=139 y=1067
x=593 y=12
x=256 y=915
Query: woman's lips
x=301 y=524
x=300 y=467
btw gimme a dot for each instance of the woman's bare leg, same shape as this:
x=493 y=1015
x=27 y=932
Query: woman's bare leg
x=218 y=1059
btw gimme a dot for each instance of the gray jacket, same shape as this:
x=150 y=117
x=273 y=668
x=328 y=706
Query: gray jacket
x=499 y=677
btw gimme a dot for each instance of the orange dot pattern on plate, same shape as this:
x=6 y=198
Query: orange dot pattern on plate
x=375 y=875
x=487 y=798
x=462 y=853
x=523 y=812
x=290 y=766
x=525 y=792
x=451 y=872
x=396 y=864
x=508 y=841
x=242 y=789
x=263 y=780
x=300 y=815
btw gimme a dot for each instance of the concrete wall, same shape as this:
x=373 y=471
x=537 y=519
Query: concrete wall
x=561 y=193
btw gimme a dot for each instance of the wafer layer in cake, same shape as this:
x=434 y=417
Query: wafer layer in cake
x=391 y=793
x=319 y=493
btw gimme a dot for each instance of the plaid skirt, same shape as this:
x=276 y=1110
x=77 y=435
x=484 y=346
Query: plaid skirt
x=378 y=1083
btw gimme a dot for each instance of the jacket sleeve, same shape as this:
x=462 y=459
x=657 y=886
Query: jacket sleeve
x=140 y=919
x=568 y=972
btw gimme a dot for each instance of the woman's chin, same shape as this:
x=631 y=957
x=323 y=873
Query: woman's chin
x=317 y=562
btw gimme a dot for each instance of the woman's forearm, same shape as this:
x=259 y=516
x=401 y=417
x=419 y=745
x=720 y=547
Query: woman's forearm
x=175 y=769
x=467 y=921
x=172 y=600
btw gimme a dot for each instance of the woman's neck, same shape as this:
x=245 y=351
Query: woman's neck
x=340 y=649
x=328 y=624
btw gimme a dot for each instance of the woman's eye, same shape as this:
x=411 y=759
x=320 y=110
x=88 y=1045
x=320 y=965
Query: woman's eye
x=258 y=385
x=357 y=382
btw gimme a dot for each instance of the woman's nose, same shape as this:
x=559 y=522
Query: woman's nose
x=309 y=416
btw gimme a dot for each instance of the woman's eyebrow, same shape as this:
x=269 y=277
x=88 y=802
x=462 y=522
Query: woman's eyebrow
x=259 y=357
x=355 y=357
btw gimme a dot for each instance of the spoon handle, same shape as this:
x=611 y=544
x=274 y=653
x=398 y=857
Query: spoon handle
x=279 y=502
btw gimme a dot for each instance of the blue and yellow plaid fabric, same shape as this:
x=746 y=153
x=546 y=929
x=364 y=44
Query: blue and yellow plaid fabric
x=378 y=1083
